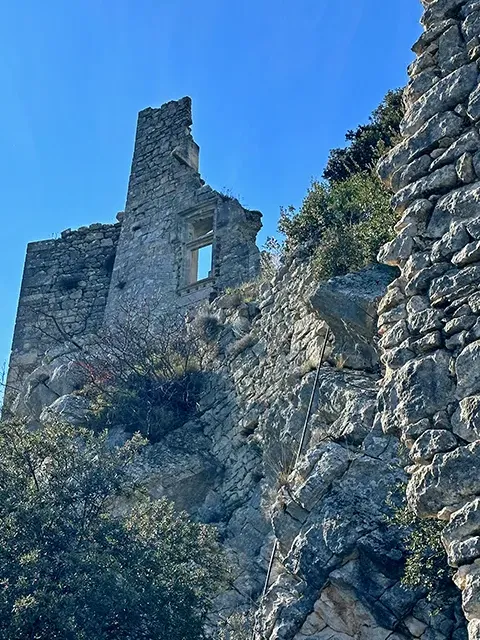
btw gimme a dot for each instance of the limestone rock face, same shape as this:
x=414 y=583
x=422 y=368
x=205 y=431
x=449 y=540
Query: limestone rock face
x=430 y=390
x=322 y=501
x=349 y=306
x=237 y=464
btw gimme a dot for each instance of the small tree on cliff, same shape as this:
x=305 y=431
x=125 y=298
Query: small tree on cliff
x=346 y=217
x=76 y=563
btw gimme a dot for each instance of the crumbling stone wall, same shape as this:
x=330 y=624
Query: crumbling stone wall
x=170 y=215
x=64 y=287
x=166 y=197
x=430 y=317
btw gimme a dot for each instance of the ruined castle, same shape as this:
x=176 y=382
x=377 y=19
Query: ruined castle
x=377 y=379
x=177 y=243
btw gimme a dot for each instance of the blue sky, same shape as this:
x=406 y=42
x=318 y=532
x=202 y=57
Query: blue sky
x=274 y=84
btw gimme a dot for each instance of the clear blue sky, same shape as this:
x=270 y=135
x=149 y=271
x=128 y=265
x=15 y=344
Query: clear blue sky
x=274 y=84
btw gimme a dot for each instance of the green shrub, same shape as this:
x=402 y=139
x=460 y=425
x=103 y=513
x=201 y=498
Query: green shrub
x=344 y=224
x=426 y=561
x=149 y=405
x=346 y=217
x=77 y=563
x=238 y=626
x=368 y=142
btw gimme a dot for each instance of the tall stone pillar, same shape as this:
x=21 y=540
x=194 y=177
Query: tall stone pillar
x=430 y=317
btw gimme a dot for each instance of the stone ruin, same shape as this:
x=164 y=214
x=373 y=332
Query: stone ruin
x=177 y=243
x=338 y=562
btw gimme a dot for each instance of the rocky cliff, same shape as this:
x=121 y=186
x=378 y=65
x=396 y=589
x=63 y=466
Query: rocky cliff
x=296 y=451
x=323 y=508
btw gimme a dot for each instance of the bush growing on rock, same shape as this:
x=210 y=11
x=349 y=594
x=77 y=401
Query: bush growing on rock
x=426 y=563
x=143 y=375
x=238 y=626
x=346 y=218
x=368 y=142
x=76 y=562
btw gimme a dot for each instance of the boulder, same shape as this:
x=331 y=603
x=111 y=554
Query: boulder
x=348 y=304
x=420 y=388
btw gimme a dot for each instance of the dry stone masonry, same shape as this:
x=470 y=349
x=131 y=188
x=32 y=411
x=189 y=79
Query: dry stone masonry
x=64 y=291
x=171 y=215
x=430 y=318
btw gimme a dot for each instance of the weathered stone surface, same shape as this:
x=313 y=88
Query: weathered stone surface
x=461 y=204
x=427 y=320
x=471 y=24
x=445 y=95
x=474 y=629
x=391 y=317
x=452 y=286
x=67 y=408
x=463 y=552
x=436 y=10
x=473 y=228
x=430 y=443
x=397 y=251
x=416 y=262
x=467 y=579
x=431 y=34
x=394 y=336
x=451 y=479
x=439 y=126
x=421 y=83
x=462 y=323
x=35 y=394
x=333 y=461
x=466 y=419
x=452 y=241
x=67 y=378
x=470 y=253
x=468 y=143
x=348 y=305
x=412 y=172
x=465 y=169
x=421 y=281
x=421 y=388
x=428 y=342
x=416 y=214
x=473 y=108
x=451 y=50
x=444 y=262
x=468 y=370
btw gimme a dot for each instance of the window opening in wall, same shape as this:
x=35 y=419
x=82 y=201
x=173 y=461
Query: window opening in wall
x=200 y=249
x=204 y=262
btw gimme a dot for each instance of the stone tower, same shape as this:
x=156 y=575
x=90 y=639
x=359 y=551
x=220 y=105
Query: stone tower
x=180 y=241
x=177 y=243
